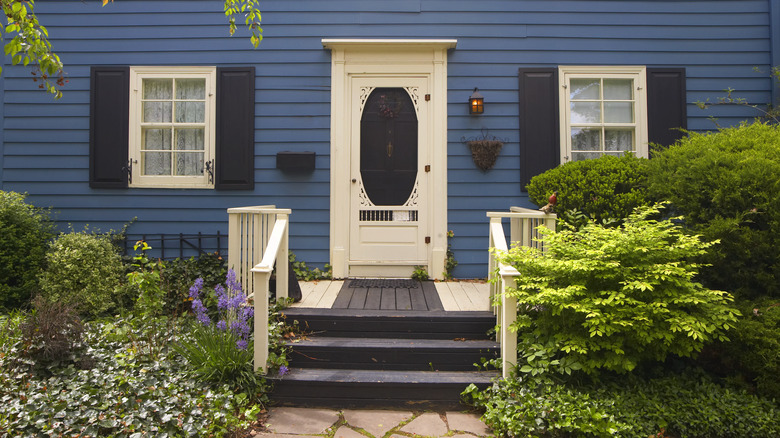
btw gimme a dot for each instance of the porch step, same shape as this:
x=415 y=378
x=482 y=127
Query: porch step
x=392 y=323
x=311 y=387
x=385 y=358
x=391 y=354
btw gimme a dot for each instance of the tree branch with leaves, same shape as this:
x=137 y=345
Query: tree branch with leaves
x=27 y=40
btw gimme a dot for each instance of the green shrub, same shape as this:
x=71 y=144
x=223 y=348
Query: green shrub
x=688 y=405
x=83 y=269
x=611 y=298
x=605 y=188
x=178 y=275
x=753 y=355
x=24 y=235
x=726 y=184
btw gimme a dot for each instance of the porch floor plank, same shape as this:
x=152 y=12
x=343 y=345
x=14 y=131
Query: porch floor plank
x=306 y=288
x=418 y=301
x=374 y=299
x=447 y=296
x=316 y=294
x=447 y=299
x=388 y=299
x=358 y=300
x=479 y=294
x=402 y=299
x=463 y=299
x=330 y=295
x=342 y=301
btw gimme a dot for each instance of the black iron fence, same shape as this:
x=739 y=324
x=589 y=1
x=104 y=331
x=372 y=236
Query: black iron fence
x=172 y=246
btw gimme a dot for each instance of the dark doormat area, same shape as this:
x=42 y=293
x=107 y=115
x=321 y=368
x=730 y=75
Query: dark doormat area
x=384 y=282
x=388 y=294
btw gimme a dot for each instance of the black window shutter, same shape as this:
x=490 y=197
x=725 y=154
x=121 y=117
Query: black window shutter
x=539 y=122
x=666 y=106
x=235 y=134
x=108 y=126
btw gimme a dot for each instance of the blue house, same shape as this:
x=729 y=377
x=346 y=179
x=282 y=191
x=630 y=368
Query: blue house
x=353 y=113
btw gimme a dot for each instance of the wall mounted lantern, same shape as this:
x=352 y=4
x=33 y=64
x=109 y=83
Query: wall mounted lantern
x=476 y=102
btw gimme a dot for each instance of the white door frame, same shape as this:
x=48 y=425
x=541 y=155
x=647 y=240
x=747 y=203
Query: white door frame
x=387 y=58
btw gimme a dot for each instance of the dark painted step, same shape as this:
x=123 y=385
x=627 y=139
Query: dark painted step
x=392 y=323
x=376 y=389
x=391 y=354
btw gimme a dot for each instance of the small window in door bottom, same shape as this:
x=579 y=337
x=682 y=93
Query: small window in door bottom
x=388 y=216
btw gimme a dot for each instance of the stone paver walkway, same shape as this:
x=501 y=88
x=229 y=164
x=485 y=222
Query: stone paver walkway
x=304 y=422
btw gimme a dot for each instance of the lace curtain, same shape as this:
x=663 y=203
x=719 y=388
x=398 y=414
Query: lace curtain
x=596 y=101
x=173 y=149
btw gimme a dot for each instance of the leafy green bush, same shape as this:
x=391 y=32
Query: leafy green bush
x=178 y=275
x=753 y=355
x=605 y=188
x=25 y=232
x=726 y=184
x=611 y=298
x=305 y=273
x=83 y=269
x=688 y=405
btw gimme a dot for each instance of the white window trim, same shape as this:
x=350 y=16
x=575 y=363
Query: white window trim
x=137 y=74
x=637 y=73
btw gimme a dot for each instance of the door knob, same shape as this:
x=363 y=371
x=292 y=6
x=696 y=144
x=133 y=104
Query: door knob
x=354 y=180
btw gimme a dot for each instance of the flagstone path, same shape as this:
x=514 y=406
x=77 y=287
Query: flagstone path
x=303 y=422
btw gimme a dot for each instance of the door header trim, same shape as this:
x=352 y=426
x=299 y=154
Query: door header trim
x=432 y=44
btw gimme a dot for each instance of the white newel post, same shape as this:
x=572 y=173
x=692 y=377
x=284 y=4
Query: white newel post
x=282 y=262
x=262 y=278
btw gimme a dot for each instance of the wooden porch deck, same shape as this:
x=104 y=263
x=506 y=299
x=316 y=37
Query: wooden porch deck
x=454 y=295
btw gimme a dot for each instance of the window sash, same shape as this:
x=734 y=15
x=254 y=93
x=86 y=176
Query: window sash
x=186 y=141
x=597 y=110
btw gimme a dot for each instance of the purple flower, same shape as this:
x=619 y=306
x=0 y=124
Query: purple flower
x=196 y=288
x=283 y=370
x=200 y=312
x=234 y=314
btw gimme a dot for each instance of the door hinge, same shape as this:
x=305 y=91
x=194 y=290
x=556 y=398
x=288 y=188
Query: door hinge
x=427 y=239
x=427 y=97
x=427 y=167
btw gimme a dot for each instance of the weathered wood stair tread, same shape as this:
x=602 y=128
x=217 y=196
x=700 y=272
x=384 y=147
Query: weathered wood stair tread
x=391 y=354
x=392 y=323
x=374 y=343
x=394 y=377
x=362 y=388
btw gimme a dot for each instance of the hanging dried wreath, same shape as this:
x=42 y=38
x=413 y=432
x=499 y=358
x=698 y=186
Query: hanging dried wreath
x=484 y=149
x=390 y=105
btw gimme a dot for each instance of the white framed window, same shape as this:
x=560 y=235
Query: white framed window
x=603 y=111
x=172 y=127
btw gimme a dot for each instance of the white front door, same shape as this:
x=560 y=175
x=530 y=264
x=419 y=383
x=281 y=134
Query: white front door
x=393 y=217
x=389 y=138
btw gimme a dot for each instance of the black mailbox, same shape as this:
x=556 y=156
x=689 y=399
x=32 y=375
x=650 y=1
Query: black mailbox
x=295 y=161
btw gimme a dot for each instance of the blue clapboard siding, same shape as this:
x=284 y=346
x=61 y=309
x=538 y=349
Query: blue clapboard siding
x=44 y=144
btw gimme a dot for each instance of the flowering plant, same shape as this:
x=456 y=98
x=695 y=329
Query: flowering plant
x=221 y=351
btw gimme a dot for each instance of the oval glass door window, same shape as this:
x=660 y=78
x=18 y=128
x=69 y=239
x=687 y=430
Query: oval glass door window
x=388 y=146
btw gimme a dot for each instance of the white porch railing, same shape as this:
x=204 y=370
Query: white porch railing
x=258 y=239
x=523 y=226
